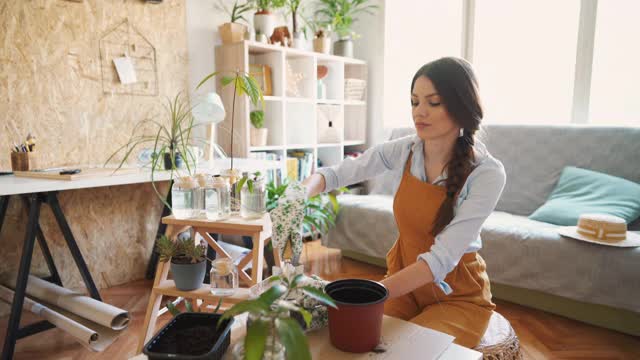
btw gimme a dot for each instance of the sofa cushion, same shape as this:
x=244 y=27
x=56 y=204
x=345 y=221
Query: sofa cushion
x=582 y=191
x=534 y=156
x=530 y=254
x=365 y=224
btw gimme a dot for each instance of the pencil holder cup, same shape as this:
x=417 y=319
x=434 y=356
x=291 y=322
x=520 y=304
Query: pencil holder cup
x=23 y=161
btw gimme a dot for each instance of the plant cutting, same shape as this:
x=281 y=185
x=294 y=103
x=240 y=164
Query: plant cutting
x=187 y=261
x=271 y=331
x=243 y=84
x=263 y=20
x=233 y=31
x=258 y=133
x=253 y=196
x=342 y=14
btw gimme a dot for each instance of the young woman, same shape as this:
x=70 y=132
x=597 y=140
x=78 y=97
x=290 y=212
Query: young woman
x=446 y=186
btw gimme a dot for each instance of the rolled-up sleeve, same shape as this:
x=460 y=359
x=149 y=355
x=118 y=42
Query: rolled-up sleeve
x=485 y=185
x=373 y=162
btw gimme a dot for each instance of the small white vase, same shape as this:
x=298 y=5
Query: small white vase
x=264 y=24
x=299 y=41
x=258 y=136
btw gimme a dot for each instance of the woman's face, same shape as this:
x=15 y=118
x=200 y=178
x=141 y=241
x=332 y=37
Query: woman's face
x=430 y=117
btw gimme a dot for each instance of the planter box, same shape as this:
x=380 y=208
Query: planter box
x=191 y=336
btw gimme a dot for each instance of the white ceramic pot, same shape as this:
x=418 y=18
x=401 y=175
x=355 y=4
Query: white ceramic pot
x=343 y=47
x=322 y=45
x=264 y=24
x=258 y=136
x=299 y=41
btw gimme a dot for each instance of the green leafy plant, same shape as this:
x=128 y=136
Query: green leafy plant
x=342 y=14
x=250 y=180
x=264 y=6
x=189 y=307
x=236 y=13
x=257 y=119
x=181 y=251
x=319 y=28
x=243 y=84
x=293 y=6
x=271 y=310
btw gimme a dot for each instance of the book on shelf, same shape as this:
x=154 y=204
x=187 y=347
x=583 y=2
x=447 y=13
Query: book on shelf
x=299 y=165
x=273 y=175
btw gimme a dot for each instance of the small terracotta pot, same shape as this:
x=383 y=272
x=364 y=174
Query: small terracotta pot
x=357 y=323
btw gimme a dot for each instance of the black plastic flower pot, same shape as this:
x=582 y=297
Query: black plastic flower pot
x=191 y=336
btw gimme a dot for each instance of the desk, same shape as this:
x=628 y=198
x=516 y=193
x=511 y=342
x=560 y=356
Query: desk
x=321 y=347
x=36 y=192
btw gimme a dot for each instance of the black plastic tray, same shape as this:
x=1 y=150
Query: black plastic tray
x=189 y=331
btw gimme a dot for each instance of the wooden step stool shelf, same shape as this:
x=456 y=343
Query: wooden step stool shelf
x=260 y=232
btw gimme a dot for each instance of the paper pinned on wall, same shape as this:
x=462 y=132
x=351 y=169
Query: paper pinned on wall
x=126 y=72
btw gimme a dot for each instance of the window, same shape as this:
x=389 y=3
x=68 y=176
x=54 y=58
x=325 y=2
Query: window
x=416 y=32
x=524 y=54
x=615 y=77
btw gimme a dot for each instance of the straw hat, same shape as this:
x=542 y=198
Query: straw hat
x=602 y=229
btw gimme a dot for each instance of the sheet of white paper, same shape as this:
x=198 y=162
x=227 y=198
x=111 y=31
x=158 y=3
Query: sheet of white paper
x=126 y=72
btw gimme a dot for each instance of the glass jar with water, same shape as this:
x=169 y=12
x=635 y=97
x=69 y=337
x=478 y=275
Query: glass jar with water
x=182 y=197
x=253 y=198
x=218 y=199
x=224 y=277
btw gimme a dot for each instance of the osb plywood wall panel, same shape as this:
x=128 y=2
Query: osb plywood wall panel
x=50 y=85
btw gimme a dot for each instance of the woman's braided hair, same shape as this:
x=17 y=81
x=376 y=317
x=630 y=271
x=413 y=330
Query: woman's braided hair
x=456 y=84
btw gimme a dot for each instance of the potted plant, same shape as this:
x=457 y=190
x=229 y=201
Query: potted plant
x=253 y=196
x=322 y=34
x=264 y=21
x=271 y=331
x=187 y=258
x=258 y=132
x=243 y=84
x=299 y=36
x=171 y=139
x=341 y=14
x=233 y=31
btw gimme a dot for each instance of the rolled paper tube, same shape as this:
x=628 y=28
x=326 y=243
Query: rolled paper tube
x=81 y=305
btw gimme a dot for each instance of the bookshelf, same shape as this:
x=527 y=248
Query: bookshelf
x=296 y=120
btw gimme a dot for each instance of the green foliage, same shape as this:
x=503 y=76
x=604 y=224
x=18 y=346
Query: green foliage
x=185 y=249
x=342 y=14
x=257 y=119
x=270 y=309
x=249 y=180
x=189 y=307
x=238 y=10
x=266 y=5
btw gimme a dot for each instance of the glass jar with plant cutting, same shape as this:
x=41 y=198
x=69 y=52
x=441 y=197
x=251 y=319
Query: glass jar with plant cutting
x=253 y=196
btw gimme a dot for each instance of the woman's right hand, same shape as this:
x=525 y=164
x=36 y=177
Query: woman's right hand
x=315 y=184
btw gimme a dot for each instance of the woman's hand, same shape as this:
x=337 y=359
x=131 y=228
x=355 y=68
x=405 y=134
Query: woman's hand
x=315 y=184
x=408 y=279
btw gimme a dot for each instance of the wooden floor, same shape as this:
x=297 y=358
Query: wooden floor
x=542 y=335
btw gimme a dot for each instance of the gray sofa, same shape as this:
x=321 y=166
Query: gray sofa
x=527 y=261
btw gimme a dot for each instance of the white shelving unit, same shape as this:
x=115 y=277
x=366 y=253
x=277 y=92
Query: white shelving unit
x=293 y=121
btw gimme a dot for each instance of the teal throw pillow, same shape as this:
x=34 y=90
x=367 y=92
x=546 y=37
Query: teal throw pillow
x=582 y=191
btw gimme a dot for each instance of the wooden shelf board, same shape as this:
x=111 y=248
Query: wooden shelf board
x=354 y=142
x=266 y=148
x=326 y=145
x=168 y=288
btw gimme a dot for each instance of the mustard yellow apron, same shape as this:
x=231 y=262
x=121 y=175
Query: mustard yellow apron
x=464 y=313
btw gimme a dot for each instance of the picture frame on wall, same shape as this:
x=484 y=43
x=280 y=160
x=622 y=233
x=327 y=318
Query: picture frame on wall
x=262 y=74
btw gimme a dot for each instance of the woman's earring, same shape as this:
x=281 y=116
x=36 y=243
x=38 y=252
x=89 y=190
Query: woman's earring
x=461 y=132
